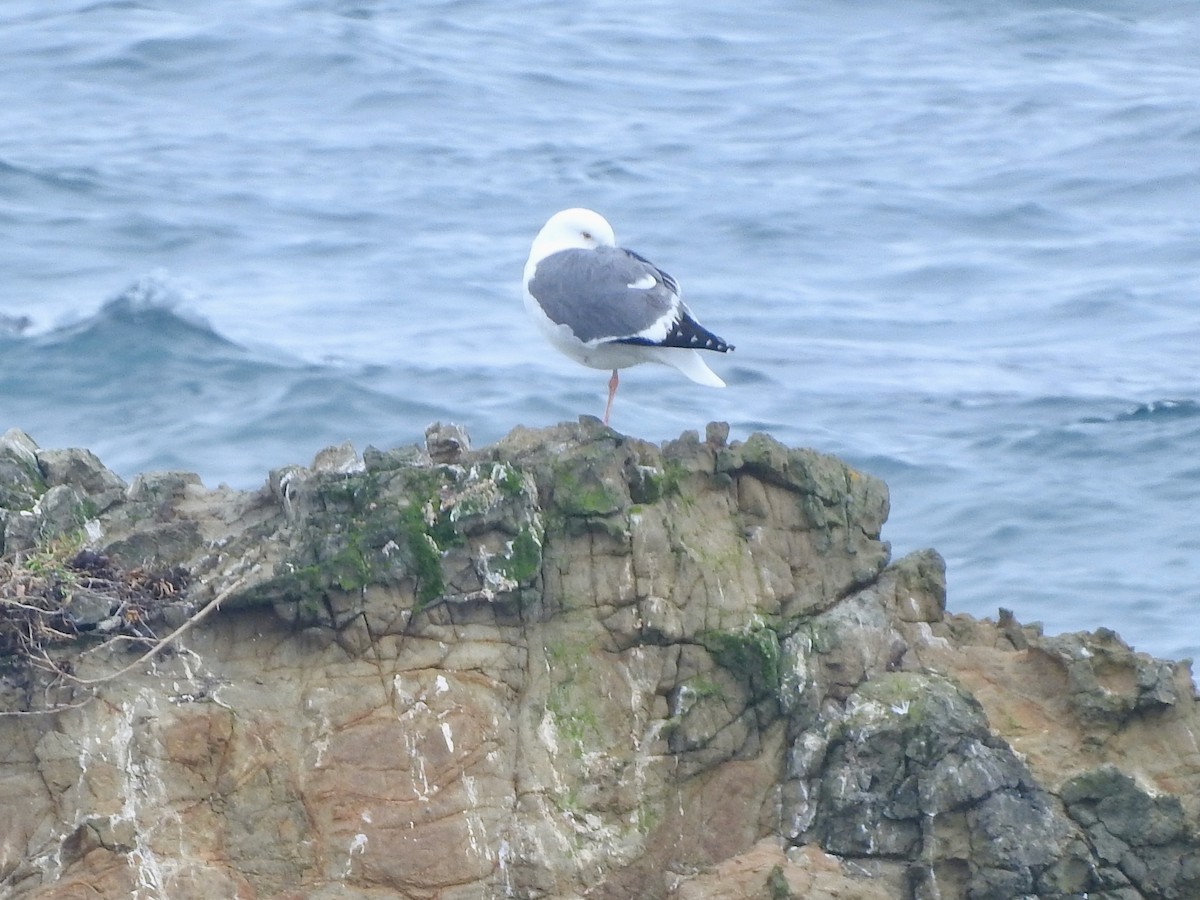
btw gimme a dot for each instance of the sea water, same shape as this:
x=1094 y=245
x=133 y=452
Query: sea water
x=955 y=243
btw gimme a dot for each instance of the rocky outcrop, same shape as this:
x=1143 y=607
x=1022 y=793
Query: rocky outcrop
x=572 y=664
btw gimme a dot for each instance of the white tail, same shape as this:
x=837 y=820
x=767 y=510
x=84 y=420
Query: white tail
x=690 y=364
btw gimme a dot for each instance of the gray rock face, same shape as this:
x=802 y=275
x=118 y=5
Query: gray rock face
x=46 y=493
x=570 y=664
x=1144 y=844
x=21 y=481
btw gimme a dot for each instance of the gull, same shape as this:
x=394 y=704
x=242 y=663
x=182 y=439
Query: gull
x=609 y=308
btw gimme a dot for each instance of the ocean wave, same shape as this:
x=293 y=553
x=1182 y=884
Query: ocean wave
x=1075 y=430
x=150 y=317
x=25 y=181
x=14 y=325
x=1153 y=410
x=148 y=383
x=1162 y=410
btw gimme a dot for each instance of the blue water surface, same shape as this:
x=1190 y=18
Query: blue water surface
x=955 y=243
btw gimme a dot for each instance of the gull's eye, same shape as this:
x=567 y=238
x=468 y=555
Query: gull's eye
x=587 y=235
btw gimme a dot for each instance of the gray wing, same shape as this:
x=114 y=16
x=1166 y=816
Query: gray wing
x=592 y=293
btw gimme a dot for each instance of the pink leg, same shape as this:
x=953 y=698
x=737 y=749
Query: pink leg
x=612 y=392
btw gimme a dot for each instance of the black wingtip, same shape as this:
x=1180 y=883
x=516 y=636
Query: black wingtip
x=686 y=334
x=689 y=333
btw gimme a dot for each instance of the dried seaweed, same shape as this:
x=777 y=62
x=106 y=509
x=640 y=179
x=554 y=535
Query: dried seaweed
x=62 y=599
